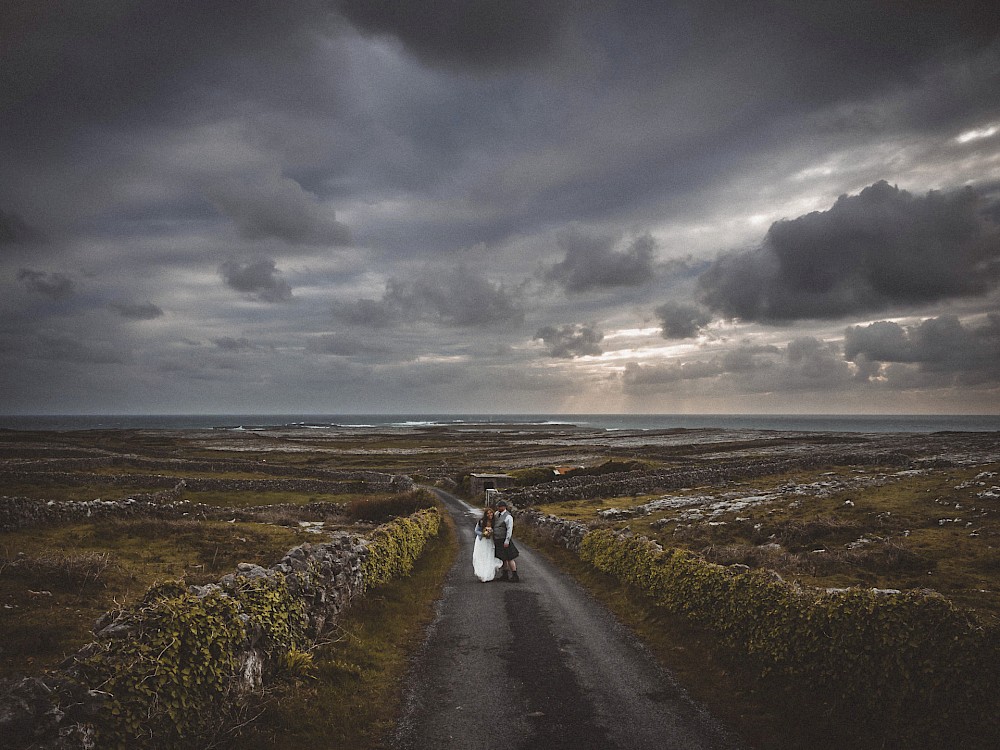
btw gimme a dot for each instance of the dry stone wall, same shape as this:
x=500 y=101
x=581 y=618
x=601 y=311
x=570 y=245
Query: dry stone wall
x=22 y=512
x=568 y=534
x=355 y=485
x=176 y=466
x=55 y=710
x=630 y=483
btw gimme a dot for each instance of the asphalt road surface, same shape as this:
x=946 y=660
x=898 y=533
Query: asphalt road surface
x=539 y=665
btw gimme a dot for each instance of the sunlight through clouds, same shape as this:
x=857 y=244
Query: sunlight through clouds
x=593 y=206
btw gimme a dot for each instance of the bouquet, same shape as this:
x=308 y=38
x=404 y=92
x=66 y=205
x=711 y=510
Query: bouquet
x=487 y=532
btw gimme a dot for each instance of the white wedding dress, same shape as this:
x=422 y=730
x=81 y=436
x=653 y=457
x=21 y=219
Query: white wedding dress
x=484 y=562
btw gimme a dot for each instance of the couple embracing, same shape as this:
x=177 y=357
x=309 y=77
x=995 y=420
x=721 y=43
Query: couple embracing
x=494 y=549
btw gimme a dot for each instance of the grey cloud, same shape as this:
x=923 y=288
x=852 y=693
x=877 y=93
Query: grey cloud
x=278 y=207
x=592 y=262
x=457 y=297
x=882 y=341
x=681 y=321
x=879 y=249
x=259 y=278
x=479 y=34
x=746 y=359
x=638 y=376
x=231 y=344
x=54 y=285
x=70 y=349
x=942 y=345
x=371 y=313
x=805 y=364
x=571 y=341
x=817 y=361
x=16 y=231
x=345 y=345
x=742 y=359
x=64 y=62
x=139 y=311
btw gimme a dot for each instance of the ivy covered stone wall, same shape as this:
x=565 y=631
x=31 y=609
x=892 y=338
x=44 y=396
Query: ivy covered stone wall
x=907 y=666
x=169 y=670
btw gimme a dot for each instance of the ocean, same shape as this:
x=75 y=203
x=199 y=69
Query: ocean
x=610 y=422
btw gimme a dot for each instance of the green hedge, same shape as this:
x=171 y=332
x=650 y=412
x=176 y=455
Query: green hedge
x=395 y=546
x=910 y=667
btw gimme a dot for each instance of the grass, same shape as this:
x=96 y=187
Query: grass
x=905 y=530
x=244 y=499
x=56 y=581
x=46 y=490
x=354 y=692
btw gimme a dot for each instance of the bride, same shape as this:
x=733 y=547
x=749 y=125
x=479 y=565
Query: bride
x=484 y=562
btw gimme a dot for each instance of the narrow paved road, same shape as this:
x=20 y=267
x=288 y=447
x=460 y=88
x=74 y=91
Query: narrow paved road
x=538 y=665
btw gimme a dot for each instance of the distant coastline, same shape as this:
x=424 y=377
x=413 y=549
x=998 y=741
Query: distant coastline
x=611 y=422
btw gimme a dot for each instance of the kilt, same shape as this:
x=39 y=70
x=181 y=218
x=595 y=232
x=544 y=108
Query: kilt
x=508 y=553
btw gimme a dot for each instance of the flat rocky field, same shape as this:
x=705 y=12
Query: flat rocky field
x=89 y=519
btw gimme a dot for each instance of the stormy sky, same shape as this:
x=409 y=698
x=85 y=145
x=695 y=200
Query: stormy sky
x=360 y=206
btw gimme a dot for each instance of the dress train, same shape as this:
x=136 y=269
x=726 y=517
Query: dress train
x=485 y=563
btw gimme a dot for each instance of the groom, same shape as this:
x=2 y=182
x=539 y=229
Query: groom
x=503 y=543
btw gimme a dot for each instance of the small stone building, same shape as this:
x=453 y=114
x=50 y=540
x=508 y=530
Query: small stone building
x=479 y=483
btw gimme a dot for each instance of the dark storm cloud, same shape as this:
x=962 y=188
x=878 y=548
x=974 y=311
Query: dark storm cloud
x=689 y=90
x=827 y=48
x=456 y=297
x=64 y=62
x=592 y=262
x=681 y=321
x=469 y=33
x=16 y=231
x=278 y=207
x=139 y=311
x=258 y=277
x=54 y=285
x=142 y=135
x=879 y=249
x=571 y=341
x=935 y=345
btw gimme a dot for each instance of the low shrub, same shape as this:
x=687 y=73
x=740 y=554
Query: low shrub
x=71 y=570
x=383 y=509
